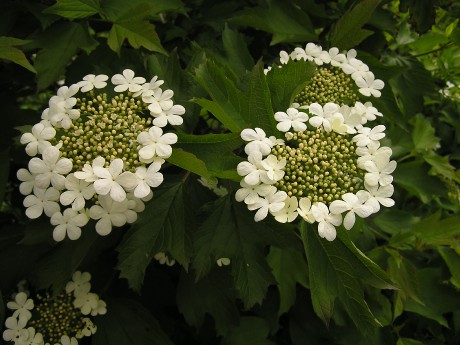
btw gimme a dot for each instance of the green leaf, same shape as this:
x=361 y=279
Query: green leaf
x=128 y=322
x=259 y=111
x=73 y=9
x=283 y=19
x=335 y=271
x=289 y=268
x=161 y=227
x=190 y=162
x=393 y=221
x=229 y=231
x=348 y=32
x=422 y=12
x=433 y=231
x=287 y=82
x=440 y=166
x=423 y=135
x=9 y=52
x=210 y=295
x=133 y=25
x=251 y=330
x=452 y=260
x=60 y=43
x=413 y=176
x=437 y=297
x=227 y=102
x=236 y=49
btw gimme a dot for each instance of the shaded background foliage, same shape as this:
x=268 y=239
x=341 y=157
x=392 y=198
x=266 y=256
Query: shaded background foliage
x=285 y=285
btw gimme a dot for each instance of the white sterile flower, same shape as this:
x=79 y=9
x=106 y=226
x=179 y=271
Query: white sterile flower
x=367 y=135
x=253 y=170
x=350 y=119
x=43 y=200
x=275 y=141
x=15 y=330
x=351 y=203
x=368 y=85
x=88 y=170
x=69 y=222
x=366 y=111
x=327 y=221
x=284 y=57
x=155 y=144
x=109 y=213
x=251 y=194
x=159 y=100
x=112 y=180
x=37 y=141
x=337 y=59
x=92 y=81
x=312 y=52
x=148 y=88
x=127 y=81
x=27 y=179
x=101 y=308
x=147 y=177
x=33 y=338
x=50 y=169
x=76 y=192
x=163 y=259
x=304 y=210
x=272 y=202
x=86 y=302
x=379 y=170
x=258 y=141
x=372 y=152
x=61 y=112
x=274 y=167
x=338 y=125
x=21 y=306
x=223 y=262
x=323 y=115
x=80 y=283
x=88 y=330
x=378 y=195
x=291 y=118
x=65 y=340
x=136 y=204
x=289 y=212
x=172 y=115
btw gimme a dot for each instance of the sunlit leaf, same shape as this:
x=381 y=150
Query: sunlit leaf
x=74 y=9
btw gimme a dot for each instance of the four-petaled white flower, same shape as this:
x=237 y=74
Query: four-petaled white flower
x=258 y=141
x=366 y=111
x=253 y=170
x=377 y=196
x=379 y=171
x=368 y=85
x=155 y=144
x=101 y=308
x=291 y=118
x=80 y=283
x=326 y=221
x=43 y=200
x=272 y=202
x=112 y=180
x=147 y=177
x=68 y=223
x=86 y=302
x=323 y=115
x=15 y=329
x=37 y=141
x=21 y=306
x=127 y=81
x=372 y=152
x=50 y=169
x=172 y=115
x=367 y=135
x=92 y=81
x=351 y=203
x=33 y=338
x=61 y=112
x=274 y=167
x=289 y=212
x=251 y=194
x=159 y=101
x=77 y=191
x=111 y=213
x=337 y=58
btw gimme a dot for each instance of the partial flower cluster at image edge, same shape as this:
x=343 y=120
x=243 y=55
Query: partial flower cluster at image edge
x=327 y=164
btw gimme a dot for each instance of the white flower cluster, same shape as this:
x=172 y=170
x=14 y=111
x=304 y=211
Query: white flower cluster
x=350 y=65
x=41 y=330
x=331 y=166
x=98 y=157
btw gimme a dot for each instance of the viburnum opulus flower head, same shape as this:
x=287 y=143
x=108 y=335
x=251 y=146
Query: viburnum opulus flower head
x=97 y=152
x=63 y=319
x=330 y=166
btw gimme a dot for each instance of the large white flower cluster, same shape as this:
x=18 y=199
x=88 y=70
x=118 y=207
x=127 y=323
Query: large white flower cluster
x=331 y=166
x=97 y=152
x=59 y=320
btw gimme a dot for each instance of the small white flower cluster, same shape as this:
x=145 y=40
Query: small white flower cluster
x=40 y=329
x=330 y=167
x=350 y=65
x=98 y=157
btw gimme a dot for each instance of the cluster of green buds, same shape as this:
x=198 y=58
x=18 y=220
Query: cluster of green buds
x=328 y=164
x=97 y=152
x=62 y=319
